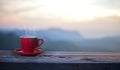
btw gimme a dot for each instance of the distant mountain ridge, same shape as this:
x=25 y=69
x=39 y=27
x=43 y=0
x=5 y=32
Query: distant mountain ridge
x=52 y=34
x=61 y=40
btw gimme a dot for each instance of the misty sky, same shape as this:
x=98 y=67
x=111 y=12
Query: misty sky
x=93 y=18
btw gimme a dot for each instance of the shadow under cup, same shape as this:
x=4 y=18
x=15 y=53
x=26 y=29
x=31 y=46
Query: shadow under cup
x=29 y=43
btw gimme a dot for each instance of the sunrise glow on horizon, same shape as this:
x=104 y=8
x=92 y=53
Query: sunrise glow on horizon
x=65 y=9
x=86 y=16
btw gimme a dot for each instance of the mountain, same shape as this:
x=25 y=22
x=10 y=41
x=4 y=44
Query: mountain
x=111 y=44
x=61 y=40
x=53 y=34
x=9 y=40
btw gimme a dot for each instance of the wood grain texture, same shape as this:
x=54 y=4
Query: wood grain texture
x=61 y=57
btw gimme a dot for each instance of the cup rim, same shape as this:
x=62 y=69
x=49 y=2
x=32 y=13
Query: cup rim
x=28 y=36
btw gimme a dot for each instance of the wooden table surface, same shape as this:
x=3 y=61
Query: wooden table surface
x=61 y=57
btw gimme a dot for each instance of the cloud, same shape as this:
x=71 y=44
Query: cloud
x=12 y=11
x=111 y=4
x=19 y=12
x=17 y=6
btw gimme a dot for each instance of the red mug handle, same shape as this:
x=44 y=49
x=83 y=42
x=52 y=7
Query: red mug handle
x=42 y=41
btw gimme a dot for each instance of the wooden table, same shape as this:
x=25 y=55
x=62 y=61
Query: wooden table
x=60 y=60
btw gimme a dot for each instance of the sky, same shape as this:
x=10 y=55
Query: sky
x=92 y=18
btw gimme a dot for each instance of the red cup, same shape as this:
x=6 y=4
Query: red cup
x=29 y=43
